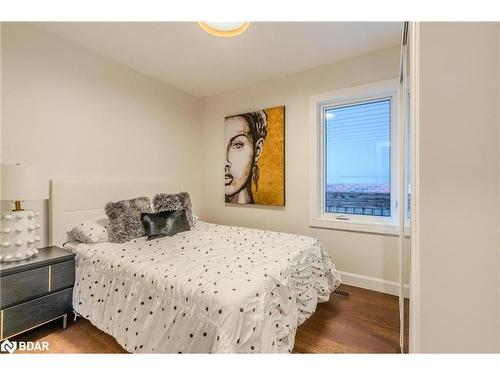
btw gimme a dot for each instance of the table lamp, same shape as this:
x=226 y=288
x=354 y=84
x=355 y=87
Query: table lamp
x=18 y=230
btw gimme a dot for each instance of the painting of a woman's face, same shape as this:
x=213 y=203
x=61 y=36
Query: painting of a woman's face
x=254 y=165
x=239 y=155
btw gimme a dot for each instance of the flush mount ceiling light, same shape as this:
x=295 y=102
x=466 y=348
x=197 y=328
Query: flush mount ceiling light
x=224 y=29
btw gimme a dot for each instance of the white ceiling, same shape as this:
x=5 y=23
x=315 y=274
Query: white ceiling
x=182 y=55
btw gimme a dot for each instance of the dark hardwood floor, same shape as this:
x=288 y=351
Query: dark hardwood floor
x=364 y=322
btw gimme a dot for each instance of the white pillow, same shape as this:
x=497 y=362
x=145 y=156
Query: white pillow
x=91 y=231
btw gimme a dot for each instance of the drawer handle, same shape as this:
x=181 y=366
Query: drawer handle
x=50 y=278
x=1 y=325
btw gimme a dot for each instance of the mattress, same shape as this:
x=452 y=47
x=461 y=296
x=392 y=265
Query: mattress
x=214 y=289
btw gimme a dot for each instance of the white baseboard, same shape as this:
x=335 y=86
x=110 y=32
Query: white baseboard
x=373 y=283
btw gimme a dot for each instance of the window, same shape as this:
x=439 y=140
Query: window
x=354 y=150
x=358 y=158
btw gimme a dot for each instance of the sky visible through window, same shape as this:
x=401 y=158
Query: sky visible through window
x=357 y=158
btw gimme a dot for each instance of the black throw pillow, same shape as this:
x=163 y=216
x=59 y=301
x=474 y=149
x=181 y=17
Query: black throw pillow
x=164 y=223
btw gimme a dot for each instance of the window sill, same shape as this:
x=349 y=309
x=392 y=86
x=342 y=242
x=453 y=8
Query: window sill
x=357 y=226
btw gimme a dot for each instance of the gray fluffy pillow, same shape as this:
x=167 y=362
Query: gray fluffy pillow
x=174 y=202
x=125 y=218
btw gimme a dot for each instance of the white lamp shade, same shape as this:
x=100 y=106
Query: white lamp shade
x=23 y=183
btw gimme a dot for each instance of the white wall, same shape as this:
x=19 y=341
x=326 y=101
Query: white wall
x=458 y=278
x=80 y=115
x=498 y=157
x=365 y=254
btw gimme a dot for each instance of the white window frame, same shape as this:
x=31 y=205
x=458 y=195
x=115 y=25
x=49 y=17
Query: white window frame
x=389 y=89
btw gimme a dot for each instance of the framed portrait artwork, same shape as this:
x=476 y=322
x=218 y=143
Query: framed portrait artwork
x=255 y=157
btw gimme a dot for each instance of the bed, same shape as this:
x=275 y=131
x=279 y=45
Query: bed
x=214 y=289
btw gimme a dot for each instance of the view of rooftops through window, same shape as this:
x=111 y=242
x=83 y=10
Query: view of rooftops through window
x=358 y=158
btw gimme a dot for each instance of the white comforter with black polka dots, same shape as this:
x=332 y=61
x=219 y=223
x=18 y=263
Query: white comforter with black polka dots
x=214 y=289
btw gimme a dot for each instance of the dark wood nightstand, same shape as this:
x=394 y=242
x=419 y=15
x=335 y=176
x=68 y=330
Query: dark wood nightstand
x=36 y=291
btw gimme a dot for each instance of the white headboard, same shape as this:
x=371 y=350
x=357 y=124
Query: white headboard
x=72 y=201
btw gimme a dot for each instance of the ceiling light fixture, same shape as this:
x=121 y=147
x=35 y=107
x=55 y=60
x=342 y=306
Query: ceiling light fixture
x=224 y=29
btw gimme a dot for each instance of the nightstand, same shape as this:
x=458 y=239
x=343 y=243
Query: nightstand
x=36 y=291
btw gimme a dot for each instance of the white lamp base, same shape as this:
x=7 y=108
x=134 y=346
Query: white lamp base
x=19 y=237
